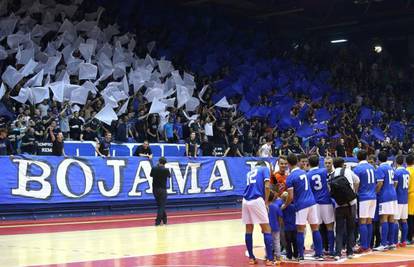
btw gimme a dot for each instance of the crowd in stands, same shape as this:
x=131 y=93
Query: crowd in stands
x=71 y=69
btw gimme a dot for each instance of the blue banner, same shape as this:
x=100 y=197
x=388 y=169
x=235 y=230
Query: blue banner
x=48 y=179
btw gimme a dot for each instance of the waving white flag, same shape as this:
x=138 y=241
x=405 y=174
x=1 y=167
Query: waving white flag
x=223 y=103
x=106 y=115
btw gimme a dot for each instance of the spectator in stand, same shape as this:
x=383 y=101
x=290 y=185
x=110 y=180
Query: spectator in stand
x=29 y=142
x=141 y=127
x=296 y=148
x=249 y=144
x=208 y=125
x=58 y=145
x=144 y=150
x=356 y=149
x=5 y=145
x=152 y=130
x=207 y=148
x=234 y=149
x=340 y=150
x=122 y=130
x=322 y=149
x=191 y=146
x=88 y=134
x=75 y=124
x=169 y=131
x=265 y=150
x=104 y=145
x=178 y=129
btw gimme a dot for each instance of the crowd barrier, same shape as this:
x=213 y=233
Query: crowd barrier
x=87 y=149
x=54 y=180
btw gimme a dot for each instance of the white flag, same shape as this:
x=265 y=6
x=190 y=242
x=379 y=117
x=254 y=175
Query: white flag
x=23 y=96
x=58 y=89
x=223 y=103
x=203 y=90
x=124 y=108
x=11 y=76
x=38 y=94
x=157 y=107
x=28 y=68
x=182 y=95
x=106 y=115
x=2 y=90
x=36 y=80
x=87 y=71
x=165 y=67
x=192 y=104
x=79 y=95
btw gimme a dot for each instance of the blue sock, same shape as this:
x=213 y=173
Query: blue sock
x=370 y=233
x=404 y=232
x=363 y=235
x=391 y=233
x=268 y=240
x=331 y=241
x=317 y=242
x=384 y=233
x=300 y=240
x=248 y=238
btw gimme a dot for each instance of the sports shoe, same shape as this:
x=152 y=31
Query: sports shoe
x=402 y=245
x=269 y=263
x=361 y=250
x=300 y=259
x=380 y=248
x=337 y=258
x=252 y=261
x=350 y=256
x=392 y=247
x=318 y=258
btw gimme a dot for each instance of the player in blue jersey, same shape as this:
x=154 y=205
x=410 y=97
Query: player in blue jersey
x=387 y=198
x=254 y=209
x=317 y=178
x=367 y=197
x=401 y=216
x=306 y=209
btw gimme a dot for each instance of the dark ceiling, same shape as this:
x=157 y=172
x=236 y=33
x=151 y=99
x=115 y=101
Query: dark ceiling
x=330 y=18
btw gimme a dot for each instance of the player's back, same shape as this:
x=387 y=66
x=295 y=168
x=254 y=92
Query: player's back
x=317 y=178
x=386 y=174
x=302 y=193
x=367 y=184
x=402 y=177
x=255 y=183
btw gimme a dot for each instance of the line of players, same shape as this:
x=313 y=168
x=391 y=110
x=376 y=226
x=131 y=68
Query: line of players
x=381 y=189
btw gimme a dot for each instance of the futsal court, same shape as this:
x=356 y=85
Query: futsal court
x=191 y=238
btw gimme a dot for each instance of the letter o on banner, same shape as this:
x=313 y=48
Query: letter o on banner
x=61 y=177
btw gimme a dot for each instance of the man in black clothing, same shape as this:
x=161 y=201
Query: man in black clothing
x=234 y=149
x=89 y=135
x=159 y=176
x=6 y=147
x=104 y=145
x=58 y=144
x=207 y=147
x=191 y=146
x=75 y=125
x=144 y=150
x=29 y=142
x=340 y=150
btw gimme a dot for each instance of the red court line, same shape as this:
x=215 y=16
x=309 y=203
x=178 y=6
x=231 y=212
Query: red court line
x=227 y=256
x=96 y=223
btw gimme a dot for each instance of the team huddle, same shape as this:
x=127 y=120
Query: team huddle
x=345 y=202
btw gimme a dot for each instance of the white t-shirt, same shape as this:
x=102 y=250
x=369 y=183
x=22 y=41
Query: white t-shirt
x=208 y=129
x=265 y=150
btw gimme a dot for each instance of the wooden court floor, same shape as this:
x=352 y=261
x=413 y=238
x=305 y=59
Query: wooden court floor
x=194 y=238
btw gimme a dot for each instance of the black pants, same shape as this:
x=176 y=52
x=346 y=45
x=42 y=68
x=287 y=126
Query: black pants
x=345 y=226
x=291 y=246
x=410 y=233
x=324 y=234
x=160 y=195
x=376 y=236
